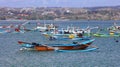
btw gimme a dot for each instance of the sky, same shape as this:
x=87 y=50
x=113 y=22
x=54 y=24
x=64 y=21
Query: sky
x=58 y=3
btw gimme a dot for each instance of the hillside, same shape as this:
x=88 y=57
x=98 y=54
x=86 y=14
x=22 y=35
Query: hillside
x=60 y=13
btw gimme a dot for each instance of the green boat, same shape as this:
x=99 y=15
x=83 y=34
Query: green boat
x=106 y=35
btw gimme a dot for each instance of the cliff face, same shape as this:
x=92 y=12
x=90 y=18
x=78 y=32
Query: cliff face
x=52 y=13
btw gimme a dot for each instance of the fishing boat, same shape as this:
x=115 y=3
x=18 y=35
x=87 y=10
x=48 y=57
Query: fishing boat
x=71 y=37
x=56 y=47
x=71 y=33
x=45 y=27
x=4 y=31
x=114 y=29
x=21 y=28
x=106 y=35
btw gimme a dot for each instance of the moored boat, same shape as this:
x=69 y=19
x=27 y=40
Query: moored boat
x=46 y=47
x=69 y=38
x=106 y=35
x=45 y=27
x=114 y=28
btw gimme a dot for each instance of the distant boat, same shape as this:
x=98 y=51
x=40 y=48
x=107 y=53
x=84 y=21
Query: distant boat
x=72 y=33
x=71 y=37
x=45 y=27
x=5 y=31
x=21 y=28
x=106 y=35
x=114 y=29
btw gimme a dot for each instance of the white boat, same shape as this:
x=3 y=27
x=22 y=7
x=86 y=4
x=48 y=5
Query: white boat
x=70 y=32
x=114 y=29
x=45 y=27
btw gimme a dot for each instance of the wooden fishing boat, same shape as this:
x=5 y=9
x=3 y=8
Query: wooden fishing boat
x=106 y=35
x=46 y=47
x=112 y=31
x=73 y=37
x=71 y=33
x=114 y=28
x=68 y=38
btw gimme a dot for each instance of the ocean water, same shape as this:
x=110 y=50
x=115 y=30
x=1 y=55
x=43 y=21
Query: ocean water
x=108 y=54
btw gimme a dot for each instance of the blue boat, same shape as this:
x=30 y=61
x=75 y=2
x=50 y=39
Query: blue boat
x=54 y=47
x=67 y=38
x=86 y=50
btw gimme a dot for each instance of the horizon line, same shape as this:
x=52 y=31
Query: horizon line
x=56 y=6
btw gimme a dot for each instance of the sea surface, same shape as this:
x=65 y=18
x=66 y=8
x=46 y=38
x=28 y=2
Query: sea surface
x=108 y=54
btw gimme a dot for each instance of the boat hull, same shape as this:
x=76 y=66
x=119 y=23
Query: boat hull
x=52 y=48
